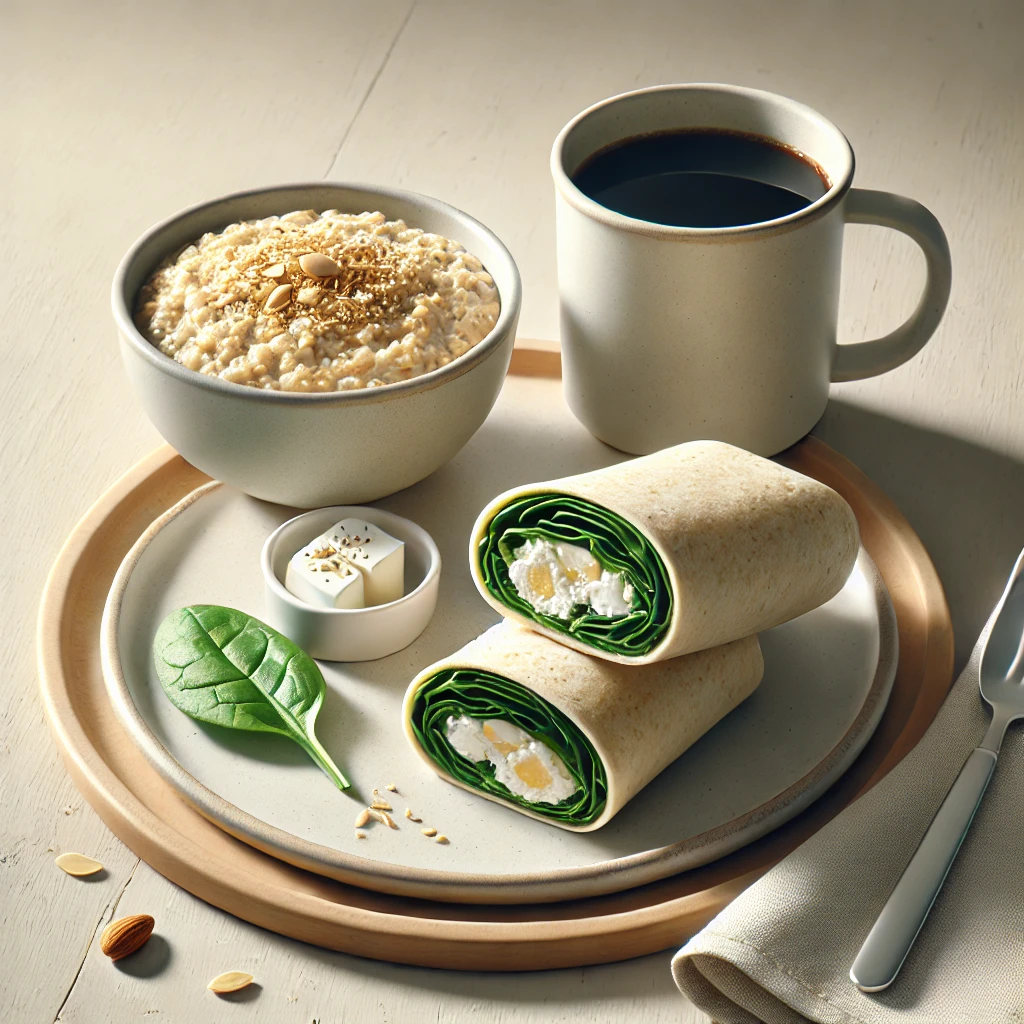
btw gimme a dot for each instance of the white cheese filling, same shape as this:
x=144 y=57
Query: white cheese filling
x=523 y=765
x=554 y=578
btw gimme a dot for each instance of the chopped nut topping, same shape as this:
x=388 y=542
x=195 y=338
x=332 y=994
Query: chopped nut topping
x=330 y=561
x=381 y=805
x=278 y=298
x=362 y=285
x=316 y=264
x=429 y=832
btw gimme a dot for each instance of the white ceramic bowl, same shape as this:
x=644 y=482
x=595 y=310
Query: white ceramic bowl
x=351 y=634
x=321 y=449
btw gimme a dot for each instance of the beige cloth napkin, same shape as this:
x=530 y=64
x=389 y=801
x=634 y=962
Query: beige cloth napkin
x=781 y=952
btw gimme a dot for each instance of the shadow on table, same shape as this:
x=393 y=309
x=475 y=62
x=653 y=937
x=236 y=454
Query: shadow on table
x=642 y=980
x=965 y=502
x=149 y=961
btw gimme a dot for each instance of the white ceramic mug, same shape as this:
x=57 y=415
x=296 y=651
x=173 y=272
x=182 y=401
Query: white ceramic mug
x=672 y=334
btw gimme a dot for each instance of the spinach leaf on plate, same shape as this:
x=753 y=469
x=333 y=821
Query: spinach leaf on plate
x=222 y=666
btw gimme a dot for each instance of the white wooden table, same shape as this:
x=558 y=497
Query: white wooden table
x=116 y=114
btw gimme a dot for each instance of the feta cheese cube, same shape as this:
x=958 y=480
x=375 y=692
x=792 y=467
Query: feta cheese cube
x=319 y=574
x=378 y=557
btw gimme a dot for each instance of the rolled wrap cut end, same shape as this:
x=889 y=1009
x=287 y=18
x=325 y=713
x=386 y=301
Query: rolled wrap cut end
x=718 y=542
x=559 y=519
x=615 y=727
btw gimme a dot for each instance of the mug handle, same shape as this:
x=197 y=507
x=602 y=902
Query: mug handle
x=870 y=358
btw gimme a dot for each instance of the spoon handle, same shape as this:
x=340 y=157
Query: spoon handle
x=889 y=941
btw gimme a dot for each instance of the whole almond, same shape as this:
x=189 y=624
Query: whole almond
x=230 y=981
x=125 y=935
x=316 y=264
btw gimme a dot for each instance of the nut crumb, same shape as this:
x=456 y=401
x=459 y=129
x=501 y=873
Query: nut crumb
x=411 y=816
x=230 y=981
x=391 y=787
x=442 y=839
x=381 y=805
x=78 y=865
x=429 y=832
x=360 y=835
x=364 y=817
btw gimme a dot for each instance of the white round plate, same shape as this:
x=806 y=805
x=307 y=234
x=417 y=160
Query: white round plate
x=827 y=678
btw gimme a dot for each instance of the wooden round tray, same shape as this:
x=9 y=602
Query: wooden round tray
x=147 y=815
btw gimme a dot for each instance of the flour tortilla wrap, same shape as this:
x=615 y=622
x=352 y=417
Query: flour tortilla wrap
x=715 y=542
x=614 y=726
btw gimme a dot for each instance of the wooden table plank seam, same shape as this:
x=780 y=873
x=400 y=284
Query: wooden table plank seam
x=369 y=91
x=106 y=916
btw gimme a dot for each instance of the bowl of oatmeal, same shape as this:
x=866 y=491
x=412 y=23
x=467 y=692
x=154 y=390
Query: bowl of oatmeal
x=317 y=344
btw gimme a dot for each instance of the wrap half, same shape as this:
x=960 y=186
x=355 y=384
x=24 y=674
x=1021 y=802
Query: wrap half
x=611 y=728
x=691 y=547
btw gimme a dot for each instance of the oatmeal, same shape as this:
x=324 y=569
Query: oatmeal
x=318 y=302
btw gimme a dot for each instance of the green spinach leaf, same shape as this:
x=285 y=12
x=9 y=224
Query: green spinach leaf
x=221 y=666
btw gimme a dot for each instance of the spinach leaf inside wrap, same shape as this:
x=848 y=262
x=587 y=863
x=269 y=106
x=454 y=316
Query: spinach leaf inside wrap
x=479 y=694
x=615 y=543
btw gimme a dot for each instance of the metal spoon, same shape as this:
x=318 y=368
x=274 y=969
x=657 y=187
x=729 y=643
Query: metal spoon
x=1001 y=679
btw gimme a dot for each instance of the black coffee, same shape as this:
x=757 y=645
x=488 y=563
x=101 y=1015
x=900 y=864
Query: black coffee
x=702 y=178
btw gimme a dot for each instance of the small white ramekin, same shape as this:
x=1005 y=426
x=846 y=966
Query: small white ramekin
x=351 y=634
